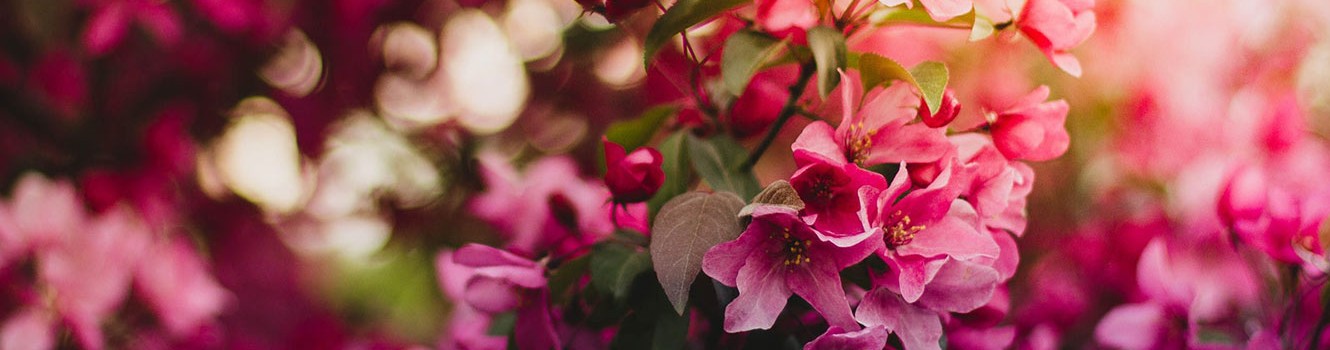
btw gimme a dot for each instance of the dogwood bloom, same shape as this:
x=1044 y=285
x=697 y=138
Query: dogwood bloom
x=778 y=254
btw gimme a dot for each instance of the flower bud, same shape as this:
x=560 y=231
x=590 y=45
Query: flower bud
x=950 y=108
x=632 y=177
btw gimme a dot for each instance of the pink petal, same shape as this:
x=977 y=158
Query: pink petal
x=535 y=326
x=491 y=295
x=179 y=287
x=817 y=140
x=106 y=28
x=943 y=10
x=952 y=236
x=918 y=328
x=819 y=284
x=1131 y=326
x=960 y=287
x=762 y=295
x=836 y=338
x=723 y=261
x=910 y=143
x=914 y=273
x=161 y=21
x=28 y=329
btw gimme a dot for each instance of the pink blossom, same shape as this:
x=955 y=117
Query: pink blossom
x=91 y=269
x=179 y=287
x=1031 y=129
x=836 y=338
x=830 y=192
x=28 y=329
x=1271 y=219
x=879 y=132
x=550 y=208
x=467 y=328
x=760 y=103
x=1057 y=26
x=957 y=286
x=778 y=254
x=497 y=281
x=632 y=177
x=786 y=18
x=917 y=232
x=111 y=19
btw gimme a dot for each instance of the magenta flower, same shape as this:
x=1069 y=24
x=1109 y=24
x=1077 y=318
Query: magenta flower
x=632 y=177
x=955 y=286
x=879 y=132
x=179 y=287
x=1057 y=26
x=786 y=19
x=467 y=328
x=778 y=255
x=91 y=269
x=496 y=281
x=111 y=19
x=921 y=230
x=549 y=208
x=836 y=338
x=830 y=191
x=1270 y=218
x=1032 y=129
x=1200 y=284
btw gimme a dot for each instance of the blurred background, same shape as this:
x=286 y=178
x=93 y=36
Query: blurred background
x=300 y=163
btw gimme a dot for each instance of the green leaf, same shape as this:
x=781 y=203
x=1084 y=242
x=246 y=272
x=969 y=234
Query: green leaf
x=614 y=266
x=718 y=160
x=745 y=52
x=678 y=18
x=678 y=171
x=930 y=78
x=981 y=27
x=777 y=193
x=563 y=277
x=686 y=228
x=828 y=46
x=502 y=324
x=634 y=133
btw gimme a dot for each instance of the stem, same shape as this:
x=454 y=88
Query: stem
x=790 y=108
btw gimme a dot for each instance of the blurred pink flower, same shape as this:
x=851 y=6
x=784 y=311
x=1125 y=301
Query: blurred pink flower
x=760 y=104
x=1057 y=26
x=1032 y=129
x=786 y=19
x=467 y=328
x=90 y=271
x=549 y=208
x=31 y=328
x=497 y=281
x=179 y=287
x=632 y=177
x=778 y=254
x=939 y=10
x=110 y=21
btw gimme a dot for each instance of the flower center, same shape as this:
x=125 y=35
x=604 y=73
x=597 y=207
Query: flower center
x=857 y=144
x=900 y=232
x=796 y=250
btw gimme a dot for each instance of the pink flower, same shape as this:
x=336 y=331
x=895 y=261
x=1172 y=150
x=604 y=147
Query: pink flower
x=496 y=282
x=1032 y=129
x=760 y=103
x=632 y=177
x=830 y=192
x=549 y=208
x=1186 y=287
x=879 y=132
x=91 y=269
x=179 y=287
x=957 y=286
x=919 y=231
x=836 y=338
x=29 y=329
x=778 y=255
x=111 y=19
x=786 y=19
x=945 y=114
x=1270 y=218
x=1057 y=26
x=467 y=328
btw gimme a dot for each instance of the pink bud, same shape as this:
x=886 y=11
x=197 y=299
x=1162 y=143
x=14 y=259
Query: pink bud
x=945 y=114
x=632 y=177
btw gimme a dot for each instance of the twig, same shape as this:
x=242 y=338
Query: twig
x=791 y=107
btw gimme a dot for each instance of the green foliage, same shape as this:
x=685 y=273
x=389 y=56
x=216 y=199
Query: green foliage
x=678 y=171
x=745 y=53
x=681 y=16
x=828 y=46
x=718 y=161
x=614 y=267
x=930 y=78
x=685 y=229
x=634 y=133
